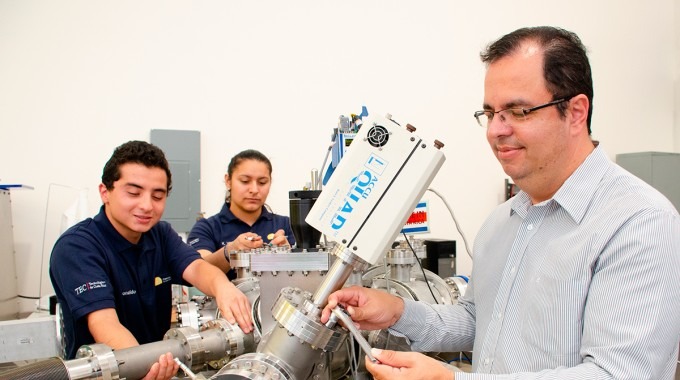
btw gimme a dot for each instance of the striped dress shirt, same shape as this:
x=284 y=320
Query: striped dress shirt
x=585 y=285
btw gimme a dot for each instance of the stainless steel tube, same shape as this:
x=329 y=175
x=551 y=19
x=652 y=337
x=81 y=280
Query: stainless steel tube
x=334 y=280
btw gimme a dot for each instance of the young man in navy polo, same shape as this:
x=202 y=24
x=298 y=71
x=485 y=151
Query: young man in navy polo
x=113 y=273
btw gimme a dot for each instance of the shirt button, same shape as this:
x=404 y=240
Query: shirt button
x=530 y=227
x=486 y=361
x=499 y=315
x=512 y=270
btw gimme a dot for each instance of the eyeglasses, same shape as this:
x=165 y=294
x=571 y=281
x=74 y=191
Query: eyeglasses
x=512 y=116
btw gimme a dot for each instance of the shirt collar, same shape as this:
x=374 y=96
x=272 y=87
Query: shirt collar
x=113 y=237
x=227 y=216
x=575 y=193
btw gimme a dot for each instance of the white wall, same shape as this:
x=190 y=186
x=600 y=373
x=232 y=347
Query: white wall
x=78 y=78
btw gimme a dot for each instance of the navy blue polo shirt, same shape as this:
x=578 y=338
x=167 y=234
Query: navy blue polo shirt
x=216 y=231
x=93 y=267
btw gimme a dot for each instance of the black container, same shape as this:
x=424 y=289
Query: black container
x=441 y=257
x=53 y=305
x=301 y=201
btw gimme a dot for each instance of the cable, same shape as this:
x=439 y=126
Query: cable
x=28 y=297
x=254 y=314
x=421 y=269
x=354 y=359
x=387 y=275
x=467 y=248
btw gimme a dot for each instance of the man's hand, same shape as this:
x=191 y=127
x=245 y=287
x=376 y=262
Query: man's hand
x=394 y=365
x=370 y=309
x=234 y=306
x=164 y=369
x=106 y=329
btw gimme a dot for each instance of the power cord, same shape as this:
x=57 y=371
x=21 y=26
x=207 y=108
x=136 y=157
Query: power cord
x=455 y=221
x=421 y=269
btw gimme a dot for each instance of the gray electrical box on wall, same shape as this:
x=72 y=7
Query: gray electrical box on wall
x=182 y=149
x=661 y=170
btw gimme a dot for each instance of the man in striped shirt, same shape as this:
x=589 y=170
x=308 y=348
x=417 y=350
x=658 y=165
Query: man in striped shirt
x=578 y=275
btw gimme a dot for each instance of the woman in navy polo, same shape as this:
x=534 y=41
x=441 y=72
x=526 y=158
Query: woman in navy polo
x=244 y=222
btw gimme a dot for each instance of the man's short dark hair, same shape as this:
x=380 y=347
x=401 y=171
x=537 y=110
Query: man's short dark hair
x=566 y=68
x=137 y=152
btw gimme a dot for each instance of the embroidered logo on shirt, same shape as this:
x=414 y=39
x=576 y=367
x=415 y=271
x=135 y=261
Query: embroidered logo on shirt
x=129 y=292
x=159 y=281
x=89 y=286
x=194 y=241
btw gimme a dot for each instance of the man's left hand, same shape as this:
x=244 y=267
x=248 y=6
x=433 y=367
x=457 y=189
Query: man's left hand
x=166 y=368
x=394 y=365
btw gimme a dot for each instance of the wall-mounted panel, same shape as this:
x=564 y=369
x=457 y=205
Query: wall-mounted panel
x=182 y=149
x=659 y=169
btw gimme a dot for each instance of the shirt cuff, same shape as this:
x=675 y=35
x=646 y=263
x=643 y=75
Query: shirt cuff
x=413 y=312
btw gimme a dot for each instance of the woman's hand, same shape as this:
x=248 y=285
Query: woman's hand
x=245 y=241
x=278 y=238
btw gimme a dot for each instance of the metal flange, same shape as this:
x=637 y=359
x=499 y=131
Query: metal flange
x=103 y=358
x=291 y=311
